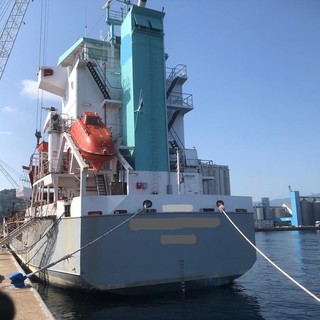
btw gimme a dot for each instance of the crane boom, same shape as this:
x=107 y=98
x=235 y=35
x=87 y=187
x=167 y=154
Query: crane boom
x=7 y=175
x=10 y=31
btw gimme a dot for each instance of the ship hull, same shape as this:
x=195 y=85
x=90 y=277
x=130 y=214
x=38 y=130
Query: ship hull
x=120 y=204
x=150 y=253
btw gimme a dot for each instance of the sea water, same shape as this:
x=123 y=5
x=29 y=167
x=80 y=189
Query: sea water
x=262 y=293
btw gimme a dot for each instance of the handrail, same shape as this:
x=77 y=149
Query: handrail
x=179 y=70
x=176 y=138
x=116 y=16
x=180 y=99
x=100 y=71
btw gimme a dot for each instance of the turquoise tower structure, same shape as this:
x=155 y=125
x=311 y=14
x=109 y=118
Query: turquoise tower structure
x=144 y=113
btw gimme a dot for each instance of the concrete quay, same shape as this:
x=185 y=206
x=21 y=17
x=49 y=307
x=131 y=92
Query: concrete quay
x=25 y=303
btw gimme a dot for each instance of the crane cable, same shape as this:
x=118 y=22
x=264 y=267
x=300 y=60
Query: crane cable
x=221 y=209
x=43 y=39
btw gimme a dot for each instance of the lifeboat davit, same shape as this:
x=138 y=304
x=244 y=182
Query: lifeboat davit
x=93 y=139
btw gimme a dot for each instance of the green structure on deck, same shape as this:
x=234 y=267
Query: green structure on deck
x=144 y=113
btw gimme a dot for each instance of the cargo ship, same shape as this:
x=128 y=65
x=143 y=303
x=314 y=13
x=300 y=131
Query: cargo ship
x=113 y=182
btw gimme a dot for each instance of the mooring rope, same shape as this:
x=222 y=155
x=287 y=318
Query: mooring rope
x=67 y=256
x=221 y=209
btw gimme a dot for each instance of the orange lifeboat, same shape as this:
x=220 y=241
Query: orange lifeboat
x=93 y=139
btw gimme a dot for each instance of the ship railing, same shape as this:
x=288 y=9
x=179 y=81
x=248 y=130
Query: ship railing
x=178 y=71
x=66 y=123
x=47 y=209
x=177 y=99
x=65 y=166
x=116 y=17
x=206 y=168
x=103 y=67
x=104 y=64
x=34 y=164
x=176 y=143
x=39 y=165
x=44 y=164
x=173 y=136
x=175 y=76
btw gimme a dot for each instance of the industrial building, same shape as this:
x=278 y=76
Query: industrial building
x=302 y=211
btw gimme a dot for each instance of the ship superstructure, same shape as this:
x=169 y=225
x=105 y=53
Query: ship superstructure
x=116 y=149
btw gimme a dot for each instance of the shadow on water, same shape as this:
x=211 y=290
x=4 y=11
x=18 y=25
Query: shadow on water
x=229 y=302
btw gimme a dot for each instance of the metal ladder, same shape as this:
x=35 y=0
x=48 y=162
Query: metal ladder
x=97 y=78
x=101 y=184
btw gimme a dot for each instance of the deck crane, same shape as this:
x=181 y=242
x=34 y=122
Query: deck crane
x=10 y=31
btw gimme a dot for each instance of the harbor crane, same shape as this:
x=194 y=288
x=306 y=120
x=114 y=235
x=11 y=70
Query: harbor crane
x=10 y=31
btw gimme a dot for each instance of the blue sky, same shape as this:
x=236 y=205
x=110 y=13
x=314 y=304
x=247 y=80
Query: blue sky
x=254 y=72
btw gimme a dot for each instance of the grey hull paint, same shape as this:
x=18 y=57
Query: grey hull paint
x=195 y=250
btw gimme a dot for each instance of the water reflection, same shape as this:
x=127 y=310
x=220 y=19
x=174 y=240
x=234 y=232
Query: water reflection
x=262 y=293
x=298 y=254
x=228 y=302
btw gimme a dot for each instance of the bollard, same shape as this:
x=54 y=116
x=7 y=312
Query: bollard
x=17 y=279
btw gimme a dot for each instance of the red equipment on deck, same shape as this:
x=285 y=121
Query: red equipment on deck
x=93 y=139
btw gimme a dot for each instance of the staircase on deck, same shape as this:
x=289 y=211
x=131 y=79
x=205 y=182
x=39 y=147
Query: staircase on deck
x=96 y=74
x=102 y=186
x=177 y=103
